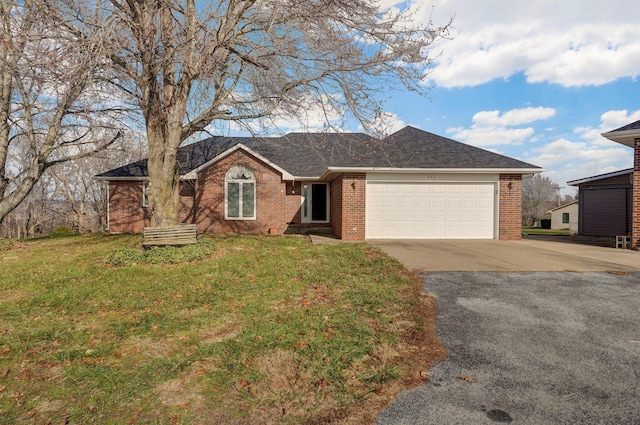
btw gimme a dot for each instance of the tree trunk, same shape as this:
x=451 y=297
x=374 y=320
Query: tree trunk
x=163 y=180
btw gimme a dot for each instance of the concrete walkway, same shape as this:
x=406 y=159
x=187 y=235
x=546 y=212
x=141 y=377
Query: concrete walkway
x=507 y=256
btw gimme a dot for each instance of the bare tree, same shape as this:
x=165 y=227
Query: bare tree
x=539 y=194
x=35 y=215
x=53 y=103
x=191 y=65
x=83 y=198
x=68 y=195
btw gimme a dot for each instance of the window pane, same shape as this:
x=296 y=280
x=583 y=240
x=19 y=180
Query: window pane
x=145 y=194
x=233 y=199
x=248 y=201
x=565 y=217
x=305 y=203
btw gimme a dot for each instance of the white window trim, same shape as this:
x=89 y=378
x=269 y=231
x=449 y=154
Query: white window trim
x=240 y=200
x=307 y=218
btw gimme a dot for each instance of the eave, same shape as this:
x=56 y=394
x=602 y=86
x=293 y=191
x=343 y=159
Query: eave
x=333 y=172
x=624 y=137
x=600 y=177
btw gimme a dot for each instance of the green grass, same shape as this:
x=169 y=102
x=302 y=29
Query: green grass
x=255 y=330
x=550 y=232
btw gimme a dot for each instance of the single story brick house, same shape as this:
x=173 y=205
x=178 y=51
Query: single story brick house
x=409 y=185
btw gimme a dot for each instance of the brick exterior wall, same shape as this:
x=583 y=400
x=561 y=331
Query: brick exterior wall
x=293 y=201
x=126 y=213
x=635 y=196
x=273 y=211
x=335 y=205
x=510 y=215
x=278 y=202
x=348 y=193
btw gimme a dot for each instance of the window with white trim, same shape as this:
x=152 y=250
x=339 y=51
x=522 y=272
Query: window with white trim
x=240 y=194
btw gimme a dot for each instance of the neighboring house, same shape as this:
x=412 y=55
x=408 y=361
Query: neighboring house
x=605 y=203
x=565 y=217
x=409 y=185
x=629 y=135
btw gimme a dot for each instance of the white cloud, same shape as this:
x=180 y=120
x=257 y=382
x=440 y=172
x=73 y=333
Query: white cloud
x=513 y=117
x=386 y=123
x=569 y=160
x=571 y=43
x=610 y=120
x=492 y=128
x=315 y=114
x=564 y=151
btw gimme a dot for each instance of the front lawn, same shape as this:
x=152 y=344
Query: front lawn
x=264 y=330
x=548 y=232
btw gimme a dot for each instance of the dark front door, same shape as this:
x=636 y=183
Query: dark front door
x=319 y=202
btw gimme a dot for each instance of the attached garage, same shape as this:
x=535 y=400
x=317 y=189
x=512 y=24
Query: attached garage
x=431 y=206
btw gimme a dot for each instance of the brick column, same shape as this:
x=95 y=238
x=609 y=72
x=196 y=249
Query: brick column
x=348 y=206
x=635 y=191
x=510 y=215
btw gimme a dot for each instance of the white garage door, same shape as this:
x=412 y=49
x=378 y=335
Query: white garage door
x=401 y=210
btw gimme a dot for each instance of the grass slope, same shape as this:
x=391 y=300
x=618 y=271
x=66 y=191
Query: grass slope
x=264 y=330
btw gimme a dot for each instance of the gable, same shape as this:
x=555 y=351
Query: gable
x=237 y=148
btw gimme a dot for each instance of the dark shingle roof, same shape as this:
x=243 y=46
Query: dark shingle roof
x=632 y=126
x=310 y=154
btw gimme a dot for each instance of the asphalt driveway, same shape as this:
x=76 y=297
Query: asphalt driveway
x=531 y=348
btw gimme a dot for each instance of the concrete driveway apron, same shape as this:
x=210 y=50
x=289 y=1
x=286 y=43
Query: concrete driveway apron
x=537 y=333
x=523 y=255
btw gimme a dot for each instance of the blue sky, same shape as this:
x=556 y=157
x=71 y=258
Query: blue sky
x=537 y=80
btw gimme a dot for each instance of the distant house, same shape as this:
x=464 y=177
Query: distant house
x=605 y=203
x=409 y=185
x=565 y=217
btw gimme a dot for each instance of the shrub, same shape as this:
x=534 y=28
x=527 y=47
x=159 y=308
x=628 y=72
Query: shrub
x=162 y=254
x=125 y=257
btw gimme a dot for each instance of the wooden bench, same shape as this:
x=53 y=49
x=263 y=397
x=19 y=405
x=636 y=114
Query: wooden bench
x=181 y=234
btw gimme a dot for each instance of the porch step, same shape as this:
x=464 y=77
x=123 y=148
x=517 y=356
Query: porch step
x=305 y=230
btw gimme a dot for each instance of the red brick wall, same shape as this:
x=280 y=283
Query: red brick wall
x=348 y=206
x=335 y=206
x=125 y=207
x=126 y=213
x=510 y=215
x=635 y=196
x=293 y=213
x=271 y=205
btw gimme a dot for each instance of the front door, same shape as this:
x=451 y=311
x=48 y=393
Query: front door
x=315 y=203
x=319 y=202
